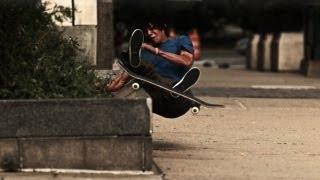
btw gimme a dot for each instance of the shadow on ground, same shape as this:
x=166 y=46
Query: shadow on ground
x=168 y=146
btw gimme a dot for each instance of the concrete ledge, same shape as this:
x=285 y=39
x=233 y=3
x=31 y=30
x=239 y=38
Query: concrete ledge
x=267 y=53
x=86 y=134
x=287 y=52
x=264 y=52
x=252 y=61
x=74 y=117
x=87 y=38
x=97 y=153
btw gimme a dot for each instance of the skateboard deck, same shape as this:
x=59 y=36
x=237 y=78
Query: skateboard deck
x=168 y=89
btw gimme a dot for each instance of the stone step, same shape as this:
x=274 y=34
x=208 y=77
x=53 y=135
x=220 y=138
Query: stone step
x=95 y=153
x=73 y=176
x=65 y=174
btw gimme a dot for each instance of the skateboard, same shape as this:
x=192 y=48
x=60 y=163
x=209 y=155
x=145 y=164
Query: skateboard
x=194 y=109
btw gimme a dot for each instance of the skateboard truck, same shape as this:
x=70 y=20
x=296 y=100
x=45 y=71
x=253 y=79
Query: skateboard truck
x=135 y=86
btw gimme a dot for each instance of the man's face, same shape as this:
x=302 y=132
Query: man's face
x=156 y=35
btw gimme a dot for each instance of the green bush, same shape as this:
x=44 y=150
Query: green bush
x=37 y=61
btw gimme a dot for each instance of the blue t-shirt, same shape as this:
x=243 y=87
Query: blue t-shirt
x=164 y=67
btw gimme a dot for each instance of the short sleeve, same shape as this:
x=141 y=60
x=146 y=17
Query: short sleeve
x=185 y=44
x=147 y=56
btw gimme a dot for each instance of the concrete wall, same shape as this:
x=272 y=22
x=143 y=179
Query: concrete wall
x=88 y=153
x=76 y=117
x=267 y=53
x=85 y=14
x=261 y=47
x=254 y=51
x=93 y=29
x=276 y=52
x=105 y=45
x=87 y=38
x=290 y=51
x=96 y=134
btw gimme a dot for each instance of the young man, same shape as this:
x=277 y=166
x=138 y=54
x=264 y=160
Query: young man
x=166 y=60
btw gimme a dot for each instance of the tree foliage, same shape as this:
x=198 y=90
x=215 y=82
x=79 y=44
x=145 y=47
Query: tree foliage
x=37 y=61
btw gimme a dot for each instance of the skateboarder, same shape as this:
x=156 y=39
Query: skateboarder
x=166 y=60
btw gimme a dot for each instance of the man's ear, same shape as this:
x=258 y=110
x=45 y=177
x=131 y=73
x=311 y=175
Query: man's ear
x=164 y=32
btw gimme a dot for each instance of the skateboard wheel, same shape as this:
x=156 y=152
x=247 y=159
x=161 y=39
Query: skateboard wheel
x=195 y=110
x=135 y=86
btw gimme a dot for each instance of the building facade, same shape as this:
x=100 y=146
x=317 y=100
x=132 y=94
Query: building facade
x=92 y=25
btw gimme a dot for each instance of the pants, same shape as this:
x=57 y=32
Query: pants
x=163 y=103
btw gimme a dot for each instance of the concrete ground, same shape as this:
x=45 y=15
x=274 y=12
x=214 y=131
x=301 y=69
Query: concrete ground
x=254 y=84
x=221 y=57
x=249 y=139
x=237 y=78
x=252 y=138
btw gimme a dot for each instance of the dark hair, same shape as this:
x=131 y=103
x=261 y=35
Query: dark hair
x=157 y=23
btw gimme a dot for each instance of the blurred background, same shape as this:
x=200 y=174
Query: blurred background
x=222 y=27
x=270 y=35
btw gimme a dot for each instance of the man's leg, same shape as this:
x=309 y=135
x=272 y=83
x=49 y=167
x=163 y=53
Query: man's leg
x=163 y=103
x=188 y=80
x=146 y=69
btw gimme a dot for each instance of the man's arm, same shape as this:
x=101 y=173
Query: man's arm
x=118 y=82
x=184 y=58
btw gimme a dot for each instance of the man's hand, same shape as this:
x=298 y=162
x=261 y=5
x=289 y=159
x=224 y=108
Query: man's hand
x=118 y=82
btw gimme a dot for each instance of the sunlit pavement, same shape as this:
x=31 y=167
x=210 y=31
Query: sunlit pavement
x=249 y=83
x=249 y=139
x=252 y=138
x=211 y=77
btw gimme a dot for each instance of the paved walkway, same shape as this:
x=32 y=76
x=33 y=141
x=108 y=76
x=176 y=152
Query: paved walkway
x=245 y=83
x=249 y=139
x=212 y=77
x=252 y=138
